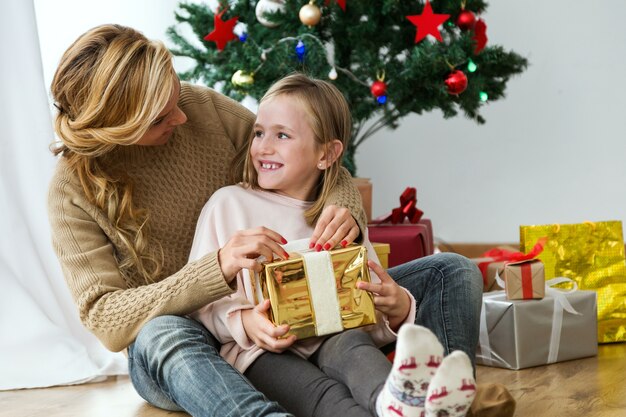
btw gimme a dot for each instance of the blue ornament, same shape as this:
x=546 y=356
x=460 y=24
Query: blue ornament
x=381 y=99
x=243 y=37
x=300 y=50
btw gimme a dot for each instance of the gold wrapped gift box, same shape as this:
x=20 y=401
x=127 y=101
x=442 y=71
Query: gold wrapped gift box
x=287 y=286
x=592 y=254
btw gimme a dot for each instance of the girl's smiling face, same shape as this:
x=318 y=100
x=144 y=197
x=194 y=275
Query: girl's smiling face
x=285 y=154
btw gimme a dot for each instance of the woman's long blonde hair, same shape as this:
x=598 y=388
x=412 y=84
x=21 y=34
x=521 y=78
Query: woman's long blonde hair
x=110 y=86
x=329 y=117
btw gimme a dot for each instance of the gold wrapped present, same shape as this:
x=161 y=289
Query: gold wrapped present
x=592 y=254
x=382 y=251
x=315 y=292
x=525 y=280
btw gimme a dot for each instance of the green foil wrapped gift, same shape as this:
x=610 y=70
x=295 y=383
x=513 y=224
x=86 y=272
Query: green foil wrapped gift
x=592 y=254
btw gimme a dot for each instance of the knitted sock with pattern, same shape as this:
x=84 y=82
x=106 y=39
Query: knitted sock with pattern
x=418 y=354
x=452 y=389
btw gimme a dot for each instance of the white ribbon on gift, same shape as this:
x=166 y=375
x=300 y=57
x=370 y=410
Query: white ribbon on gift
x=322 y=285
x=560 y=303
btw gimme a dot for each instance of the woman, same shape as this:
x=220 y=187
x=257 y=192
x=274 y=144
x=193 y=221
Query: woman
x=140 y=155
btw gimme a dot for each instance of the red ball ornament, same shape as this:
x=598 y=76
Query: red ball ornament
x=378 y=88
x=456 y=82
x=466 y=20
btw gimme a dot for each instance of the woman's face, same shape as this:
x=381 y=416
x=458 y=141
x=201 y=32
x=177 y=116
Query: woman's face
x=170 y=117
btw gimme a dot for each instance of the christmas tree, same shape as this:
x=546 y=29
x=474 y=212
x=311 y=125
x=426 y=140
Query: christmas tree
x=388 y=57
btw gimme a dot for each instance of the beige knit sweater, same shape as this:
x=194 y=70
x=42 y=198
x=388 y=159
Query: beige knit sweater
x=173 y=182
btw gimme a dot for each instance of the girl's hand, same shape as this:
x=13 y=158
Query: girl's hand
x=243 y=249
x=335 y=226
x=389 y=298
x=262 y=332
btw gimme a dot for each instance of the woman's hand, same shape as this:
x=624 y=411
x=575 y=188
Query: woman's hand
x=335 y=226
x=242 y=250
x=389 y=298
x=262 y=332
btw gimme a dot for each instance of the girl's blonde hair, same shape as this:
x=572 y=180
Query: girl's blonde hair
x=329 y=118
x=110 y=86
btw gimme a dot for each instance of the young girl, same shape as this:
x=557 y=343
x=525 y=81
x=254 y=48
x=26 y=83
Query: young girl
x=290 y=165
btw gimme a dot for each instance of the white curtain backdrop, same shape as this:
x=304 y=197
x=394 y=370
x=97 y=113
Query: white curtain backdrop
x=42 y=342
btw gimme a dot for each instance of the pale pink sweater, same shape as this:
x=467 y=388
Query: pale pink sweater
x=236 y=208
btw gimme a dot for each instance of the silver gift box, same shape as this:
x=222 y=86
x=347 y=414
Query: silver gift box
x=520 y=331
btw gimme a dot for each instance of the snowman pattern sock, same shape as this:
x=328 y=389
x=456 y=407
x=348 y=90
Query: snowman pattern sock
x=418 y=355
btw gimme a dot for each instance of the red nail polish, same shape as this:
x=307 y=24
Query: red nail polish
x=286 y=255
x=311 y=245
x=327 y=246
x=344 y=243
x=318 y=247
x=283 y=240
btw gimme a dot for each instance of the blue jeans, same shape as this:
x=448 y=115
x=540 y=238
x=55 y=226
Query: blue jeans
x=175 y=364
x=448 y=291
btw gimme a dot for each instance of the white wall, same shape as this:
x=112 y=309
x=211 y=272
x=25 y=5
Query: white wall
x=552 y=151
x=60 y=22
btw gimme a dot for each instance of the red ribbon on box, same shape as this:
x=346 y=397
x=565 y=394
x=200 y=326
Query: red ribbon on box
x=506 y=256
x=407 y=209
x=527 y=281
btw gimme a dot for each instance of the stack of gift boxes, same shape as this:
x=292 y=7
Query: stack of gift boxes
x=550 y=302
x=554 y=306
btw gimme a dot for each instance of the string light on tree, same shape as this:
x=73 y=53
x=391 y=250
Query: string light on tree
x=483 y=96
x=332 y=74
x=310 y=14
x=471 y=66
x=300 y=50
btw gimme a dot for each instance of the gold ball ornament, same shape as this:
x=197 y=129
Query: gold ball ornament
x=310 y=14
x=242 y=79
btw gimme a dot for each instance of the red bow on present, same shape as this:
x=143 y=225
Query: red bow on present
x=407 y=209
x=499 y=255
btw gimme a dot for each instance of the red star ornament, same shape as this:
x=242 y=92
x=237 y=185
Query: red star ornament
x=428 y=23
x=223 y=31
x=341 y=3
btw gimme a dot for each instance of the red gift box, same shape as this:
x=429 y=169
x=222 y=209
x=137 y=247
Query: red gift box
x=407 y=241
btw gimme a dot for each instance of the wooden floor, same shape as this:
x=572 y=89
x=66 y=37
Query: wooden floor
x=592 y=387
